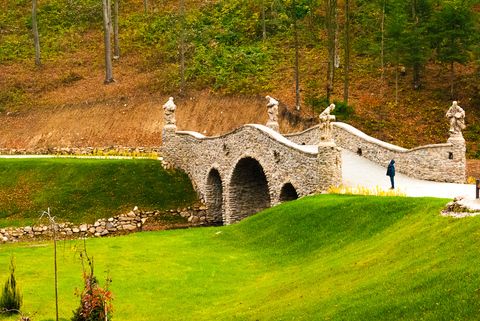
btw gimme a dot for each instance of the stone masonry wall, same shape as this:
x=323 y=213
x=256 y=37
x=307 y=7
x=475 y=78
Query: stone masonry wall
x=83 y=151
x=439 y=162
x=133 y=221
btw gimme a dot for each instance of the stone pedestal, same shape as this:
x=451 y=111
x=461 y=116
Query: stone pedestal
x=458 y=157
x=273 y=125
x=329 y=166
x=168 y=131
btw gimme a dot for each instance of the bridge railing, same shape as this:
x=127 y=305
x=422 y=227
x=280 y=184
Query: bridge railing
x=436 y=162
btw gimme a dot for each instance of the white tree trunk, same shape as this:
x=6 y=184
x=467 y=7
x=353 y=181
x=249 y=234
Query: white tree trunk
x=107 y=25
x=36 y=37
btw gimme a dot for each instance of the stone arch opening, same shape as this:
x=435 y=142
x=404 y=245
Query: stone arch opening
x=214 y=197
x=248 y=190
x=288 y=193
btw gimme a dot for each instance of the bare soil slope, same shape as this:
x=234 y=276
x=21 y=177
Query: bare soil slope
x=65 y=103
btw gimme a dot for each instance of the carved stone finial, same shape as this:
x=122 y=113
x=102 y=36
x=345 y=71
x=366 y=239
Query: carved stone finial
x=169 y=110
x=272 y=106
x=456 y=117
x=326 y=125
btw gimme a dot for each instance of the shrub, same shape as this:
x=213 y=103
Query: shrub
x=11 y=299
x=95 y=302
x=342 y=110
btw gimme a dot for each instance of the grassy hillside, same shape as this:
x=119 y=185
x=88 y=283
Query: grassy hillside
x=228 y=71
x=82 y=190
x=319 y=258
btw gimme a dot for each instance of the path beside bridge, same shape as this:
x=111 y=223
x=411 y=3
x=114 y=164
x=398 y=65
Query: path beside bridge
x=358 y=171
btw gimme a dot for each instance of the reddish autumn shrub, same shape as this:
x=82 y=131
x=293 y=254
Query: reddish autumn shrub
x=95 y=301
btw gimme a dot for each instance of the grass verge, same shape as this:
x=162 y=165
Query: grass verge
x=83 y=190
x=319 y=258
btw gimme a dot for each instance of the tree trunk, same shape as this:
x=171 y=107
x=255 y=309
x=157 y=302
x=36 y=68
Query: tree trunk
x=264 y=28
x=116 y=46
x=182 y=47
x=331 y=35
x=54 y=227
x=452 y=80
x=297 y=72
x=396 y=83
x=145 y=6
x=382 y=45
x=346 y=82
x=106 y=37
x=416 y=65
x=36 y=37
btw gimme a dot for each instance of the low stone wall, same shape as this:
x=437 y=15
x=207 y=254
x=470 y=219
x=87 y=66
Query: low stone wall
x=83 y=151
x=132 y=221
x=438 y=162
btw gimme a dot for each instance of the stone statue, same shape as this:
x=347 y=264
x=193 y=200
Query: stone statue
x=456 y=116
x=272 y=106
x=325 y=124
x=169 y=109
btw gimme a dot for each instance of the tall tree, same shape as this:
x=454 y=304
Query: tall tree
x=107 y=25
x=453 y=35
x=36 y=37
x=346 y=81
x=116 y=45
x=297 y=68
x=331 y=26
x=182 y=46
x=416 y=38
x=395 y=40
x=264 y=25
x=382 y=44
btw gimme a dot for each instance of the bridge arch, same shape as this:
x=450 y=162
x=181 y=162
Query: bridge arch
x=214 y=196
x=288 y=193
x=248 y=190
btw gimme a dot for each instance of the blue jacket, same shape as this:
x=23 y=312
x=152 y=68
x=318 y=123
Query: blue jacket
x=391 y=168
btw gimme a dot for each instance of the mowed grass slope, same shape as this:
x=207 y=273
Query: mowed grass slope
x=82 y=190
x=318 y=258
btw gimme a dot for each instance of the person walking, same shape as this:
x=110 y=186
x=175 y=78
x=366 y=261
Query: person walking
x=391 y=173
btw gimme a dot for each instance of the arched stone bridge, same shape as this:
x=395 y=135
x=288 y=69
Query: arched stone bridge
x=249 y=169
x=255 y=167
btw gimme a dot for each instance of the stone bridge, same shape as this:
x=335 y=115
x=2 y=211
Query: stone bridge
x=250 y=169
x=255 y=167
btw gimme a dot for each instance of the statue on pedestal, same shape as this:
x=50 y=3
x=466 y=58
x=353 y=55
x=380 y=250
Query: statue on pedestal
x=272 y=106
x=169 y=110
x=456 y=117
x=326 y=124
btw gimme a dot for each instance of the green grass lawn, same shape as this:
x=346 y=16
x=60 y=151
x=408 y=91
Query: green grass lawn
x=318 y=258
x=83 y=190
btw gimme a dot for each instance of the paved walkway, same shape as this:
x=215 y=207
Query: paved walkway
x=358 y=171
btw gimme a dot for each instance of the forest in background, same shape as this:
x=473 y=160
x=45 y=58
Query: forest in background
x=392 y=67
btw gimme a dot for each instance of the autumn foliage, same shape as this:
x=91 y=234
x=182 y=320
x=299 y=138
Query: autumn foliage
x=95 y=301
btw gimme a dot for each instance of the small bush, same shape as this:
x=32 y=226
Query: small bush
x=95 y=302
x=11 y=299
x=342 y=110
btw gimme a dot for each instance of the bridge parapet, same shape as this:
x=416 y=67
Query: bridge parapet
x=437 y=162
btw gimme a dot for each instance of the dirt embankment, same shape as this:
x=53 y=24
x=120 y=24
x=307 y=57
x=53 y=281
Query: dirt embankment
x=67 y=105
